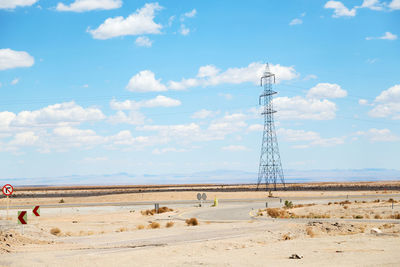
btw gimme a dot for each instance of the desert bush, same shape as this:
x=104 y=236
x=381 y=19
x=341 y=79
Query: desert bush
x=329 y=203
x=344 y=202
x=169 y=224
x=395 y=216
x=286 y=236
x=55 y=231
x=377 y=216
x=345 y=207
x=358 y=217
x=288 y=204
x=272 y=212
x=310 y=232
x=61 y=201
x=377 y=200
x=122 y=229
x=140 y=227
x=153 y=225
x=192 y=222
x=153 y=211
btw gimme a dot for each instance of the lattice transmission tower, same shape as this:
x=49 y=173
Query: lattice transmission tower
x=270 y=169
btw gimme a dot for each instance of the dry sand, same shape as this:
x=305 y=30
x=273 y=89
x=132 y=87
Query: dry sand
x=112 y=236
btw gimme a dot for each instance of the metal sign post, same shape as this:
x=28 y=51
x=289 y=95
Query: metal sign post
x=7 y=191
x=199 y=198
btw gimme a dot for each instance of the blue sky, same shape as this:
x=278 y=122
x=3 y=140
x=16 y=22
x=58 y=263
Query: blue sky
x=107 y=86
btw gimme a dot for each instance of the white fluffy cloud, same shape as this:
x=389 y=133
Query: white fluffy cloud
x=340 y=10
x=145 y=81
x=372 y=4
x=303 y=108
x=10 y=59
x=326 y=90
x=204 y=113
x=296 y=22
x=87 y=5
x=138 y=23
x=209 y=75
x=133 y=117
x=143 y=41
x=11 y=4
x=52 y=115
x=24 y=139
x=309 y=137
x=159 y=101
x=395 y=4
x=190 y=14
x=386 y=36
x=379 y=135
x=387 y=104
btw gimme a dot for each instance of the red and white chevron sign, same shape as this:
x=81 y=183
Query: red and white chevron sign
x=36 y=210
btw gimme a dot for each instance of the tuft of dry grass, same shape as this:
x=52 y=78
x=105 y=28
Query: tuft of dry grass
x=153 y=225
x=310 y=232
x=122 y=229
x=55 y=231
x=169 y=224
x=153 y=211
x=140 y=227
x=192 y=222
x=395 y=216
x=286 y=236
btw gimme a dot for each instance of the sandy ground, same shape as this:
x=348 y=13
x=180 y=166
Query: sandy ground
x=101 y=236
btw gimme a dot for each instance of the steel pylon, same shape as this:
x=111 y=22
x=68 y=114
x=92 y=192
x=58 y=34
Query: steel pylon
x=270 y=168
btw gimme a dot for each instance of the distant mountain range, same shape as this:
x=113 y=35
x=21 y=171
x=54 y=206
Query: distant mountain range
x=217 y=176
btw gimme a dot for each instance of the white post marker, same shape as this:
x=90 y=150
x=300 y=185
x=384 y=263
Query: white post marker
x=199 y=198
x=7 y=191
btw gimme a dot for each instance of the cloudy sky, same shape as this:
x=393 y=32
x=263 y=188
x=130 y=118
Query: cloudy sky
x=107 y=86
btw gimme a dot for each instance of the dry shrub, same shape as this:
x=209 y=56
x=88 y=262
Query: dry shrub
x=169 y=224
x=310 y=232
x=122 y=229
x=61 y=201
x=55 y=231
x=286 y=236
x=192 y=222
x=273 y=212
x=395 y=216
x=358 y=217
x=377 y=216
x=364 y=201
x=153 y=225
x=335 y=202
x=329 y=203
x=377 y=200
x=345 y=207
x=140 y=227
x=344 y=202
x=153 y=211
x=387 y=226
x=305 y=205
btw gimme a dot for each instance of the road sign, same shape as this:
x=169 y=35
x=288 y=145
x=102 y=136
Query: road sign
x=36 y=210
x=22 y=217
x=204 y=196
x=8 y=190
x=198 y=196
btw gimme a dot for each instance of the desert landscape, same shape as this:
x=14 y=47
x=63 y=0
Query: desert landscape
x=247 y=227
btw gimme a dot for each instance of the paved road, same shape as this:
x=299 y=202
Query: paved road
x=239 y=211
